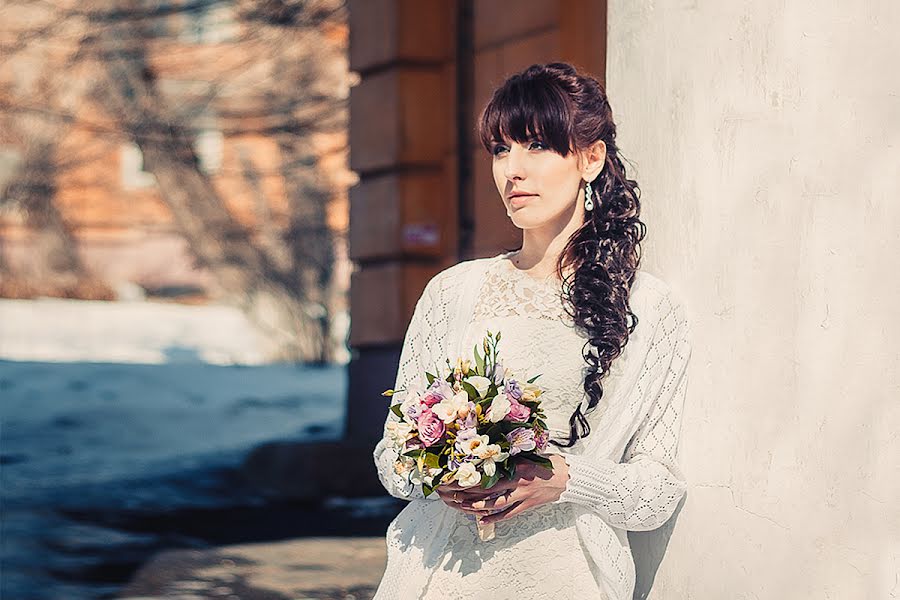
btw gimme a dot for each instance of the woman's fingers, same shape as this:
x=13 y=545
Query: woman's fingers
x=514 y=508
x=492 y=501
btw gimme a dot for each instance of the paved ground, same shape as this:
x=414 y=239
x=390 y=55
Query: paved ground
x=320 y=568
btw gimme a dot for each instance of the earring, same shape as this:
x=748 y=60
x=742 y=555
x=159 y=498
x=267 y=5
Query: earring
x=588 y=197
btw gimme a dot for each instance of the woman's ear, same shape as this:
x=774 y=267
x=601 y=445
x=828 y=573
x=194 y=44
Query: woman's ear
x=594 y=159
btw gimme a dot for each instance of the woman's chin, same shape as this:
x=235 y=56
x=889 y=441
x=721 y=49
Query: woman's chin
x=523 y=220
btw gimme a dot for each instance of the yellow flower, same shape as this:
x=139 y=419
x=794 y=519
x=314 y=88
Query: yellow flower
x=530 y=391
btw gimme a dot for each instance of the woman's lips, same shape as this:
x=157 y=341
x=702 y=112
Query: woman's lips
x=519 y=201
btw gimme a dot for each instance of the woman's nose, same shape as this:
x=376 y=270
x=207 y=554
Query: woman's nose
x=515 y=167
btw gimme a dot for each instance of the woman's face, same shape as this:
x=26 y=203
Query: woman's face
x=538 y=186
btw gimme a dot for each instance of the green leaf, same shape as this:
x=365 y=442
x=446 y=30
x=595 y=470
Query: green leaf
x=395 y=408
x=430 y=378
x=479 y=362
x=414 y=453
x=532 y=380
x=432 y=460
x=487 y=482
x=495 y=431
x=427 y=489
x=470 y=390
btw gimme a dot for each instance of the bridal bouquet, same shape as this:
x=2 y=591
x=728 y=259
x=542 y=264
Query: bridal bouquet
x=470 y=425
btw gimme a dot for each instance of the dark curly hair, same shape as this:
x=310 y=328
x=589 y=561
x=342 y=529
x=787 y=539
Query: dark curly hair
x=569 y=112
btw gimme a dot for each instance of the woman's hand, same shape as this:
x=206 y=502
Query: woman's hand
x=532 y=486
x=456 y=496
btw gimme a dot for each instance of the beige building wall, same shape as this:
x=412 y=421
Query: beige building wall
x=766 y=138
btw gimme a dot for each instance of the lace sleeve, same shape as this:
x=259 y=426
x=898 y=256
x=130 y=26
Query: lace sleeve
x=641 y=492
x=414 y=361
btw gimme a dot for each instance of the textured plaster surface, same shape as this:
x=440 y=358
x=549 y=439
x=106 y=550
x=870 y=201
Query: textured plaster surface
x=766 y=139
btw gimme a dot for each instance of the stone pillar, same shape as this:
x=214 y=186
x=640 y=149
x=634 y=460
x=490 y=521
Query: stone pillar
x=403 y=212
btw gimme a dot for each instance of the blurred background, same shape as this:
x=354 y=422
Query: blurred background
x=216 y=217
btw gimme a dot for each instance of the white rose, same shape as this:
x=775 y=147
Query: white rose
x=491 y=454
x=467 y=475
x=445 y=411
x=448 y=408
x=398 y=432
x=481 y=384
x=487 y=450
x=472 y=444
x=500 y=407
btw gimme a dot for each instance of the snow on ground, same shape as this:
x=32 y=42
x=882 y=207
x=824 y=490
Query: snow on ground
x=95 y=390
x=123 y=406
x=56 y=330
x=71 y=423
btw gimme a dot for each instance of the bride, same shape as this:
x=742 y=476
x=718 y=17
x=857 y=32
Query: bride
x=609 y=340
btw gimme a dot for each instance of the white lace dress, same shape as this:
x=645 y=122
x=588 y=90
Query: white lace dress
x=622 y=477
x=538 y=338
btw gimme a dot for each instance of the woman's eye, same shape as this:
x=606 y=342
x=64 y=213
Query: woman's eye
x=533 y=145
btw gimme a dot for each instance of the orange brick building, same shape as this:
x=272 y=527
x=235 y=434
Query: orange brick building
x=426 y=199
x=124 y=229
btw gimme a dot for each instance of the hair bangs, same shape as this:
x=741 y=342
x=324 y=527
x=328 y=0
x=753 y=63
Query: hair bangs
x=526 y=109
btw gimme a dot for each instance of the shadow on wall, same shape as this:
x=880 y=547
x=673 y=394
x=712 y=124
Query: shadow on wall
x=648 y=549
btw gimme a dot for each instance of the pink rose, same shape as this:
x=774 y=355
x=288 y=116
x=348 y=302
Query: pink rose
x=432 y=398
x=518 y=413
x=431 y=427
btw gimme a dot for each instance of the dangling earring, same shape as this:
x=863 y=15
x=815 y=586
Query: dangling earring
x=588 y=197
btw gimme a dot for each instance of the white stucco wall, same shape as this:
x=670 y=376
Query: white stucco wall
x=766 y=137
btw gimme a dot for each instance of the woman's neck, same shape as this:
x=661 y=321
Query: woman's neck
x=542 y=246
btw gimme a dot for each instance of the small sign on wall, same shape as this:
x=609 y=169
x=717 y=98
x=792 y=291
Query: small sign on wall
x=421 y=235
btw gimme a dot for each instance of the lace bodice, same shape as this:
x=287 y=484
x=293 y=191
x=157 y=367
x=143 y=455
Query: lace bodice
x=510 y=292
x=538 y=337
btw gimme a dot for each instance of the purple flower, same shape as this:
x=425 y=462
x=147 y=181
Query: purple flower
x=441 y=388
x=471 y=419
x=499 y=371
x=414 y=409
x=513 y=390
x=520 y=439
x=413 y=443
x=541 y=439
